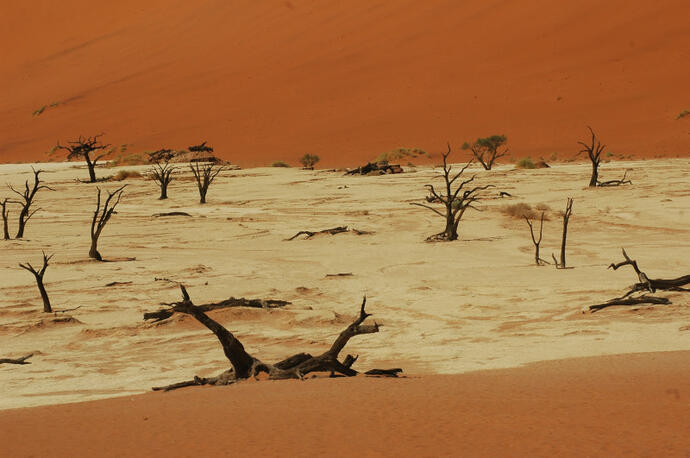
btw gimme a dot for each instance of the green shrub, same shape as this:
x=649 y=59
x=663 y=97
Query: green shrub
x=309 y=160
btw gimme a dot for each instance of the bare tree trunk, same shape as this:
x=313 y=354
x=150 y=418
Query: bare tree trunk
x=27 y=196
x=560 y=264
x=92 y=169
x=595 y=174
x=38 y=274
x=5 y=217
x=101 y=218
x=537 y=259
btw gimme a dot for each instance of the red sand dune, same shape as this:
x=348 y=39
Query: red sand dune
x=271 y=80
x=633 y=405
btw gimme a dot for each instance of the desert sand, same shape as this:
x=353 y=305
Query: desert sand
x=272 y=80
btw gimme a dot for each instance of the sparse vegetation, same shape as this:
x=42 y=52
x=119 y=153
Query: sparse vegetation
x=683 y=114
x=520 y=210
x=525 y=163
x=125 y=174
x=399 y=154
x=280 y=164
x=486 y=150
x=128 y=159
x=309 y=160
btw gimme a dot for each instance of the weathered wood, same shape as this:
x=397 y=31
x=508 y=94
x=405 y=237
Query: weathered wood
x=245 y=365
x=647 y=284
x=227 y=303
x=162 y=171
x=560 y=264
x=620 y=182
x=593 y=150
x=27 y=199
x=206 y=173
x=101 y=218
x=38 y=274
x=22 y=360
x=630 y=301
x=331 y=231
x=160 y=215
x=378 y=168
x=455 y=202
x=5 y=218
x=539 y=261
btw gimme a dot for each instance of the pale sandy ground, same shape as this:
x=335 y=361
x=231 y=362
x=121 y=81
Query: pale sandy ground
x=478 y=303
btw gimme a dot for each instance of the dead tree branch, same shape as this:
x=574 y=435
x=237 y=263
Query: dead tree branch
x=101 y=216
x=456 y=201
x=538 y=260
x=647 y=284
x=22 y=360
x=205 y=174
x=593 y=150
x=622 y=181
x=245 y=365
x=630 y=301
x=27 y=199
x=331 y=231
x=566 y=218
x=38 y=274
x=85 y=147
x=227 y=303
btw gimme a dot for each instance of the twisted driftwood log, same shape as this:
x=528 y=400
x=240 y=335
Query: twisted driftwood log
x=331 y=231
x=296 y=366
x=163 y=314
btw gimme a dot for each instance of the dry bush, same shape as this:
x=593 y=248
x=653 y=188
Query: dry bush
x=522 y=210
x=125 y=174
x=525 y=163
x=280 y=164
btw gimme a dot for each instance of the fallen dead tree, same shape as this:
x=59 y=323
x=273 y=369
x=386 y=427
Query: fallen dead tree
x=331 y=231
x=163 y=314
x=645 y=284
x=22 y=360
x=296 y=366
x=376 y=168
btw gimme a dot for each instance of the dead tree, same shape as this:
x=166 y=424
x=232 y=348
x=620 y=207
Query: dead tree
x=647 y=284
x=101 y=217
x=5 y=218
x=161 y=170
x=456 y=201
x=22 y=360
x=27 y=199
x=594 y=151
x=163 y=314
x=38 y=274
x=539 y=261
x=296 y=366
x=205 y=174
x=486 y=150
x=89 y=149
x=566 y=217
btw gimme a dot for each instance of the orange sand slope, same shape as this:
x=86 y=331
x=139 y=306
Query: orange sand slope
x=263 y=81
x=606 y=406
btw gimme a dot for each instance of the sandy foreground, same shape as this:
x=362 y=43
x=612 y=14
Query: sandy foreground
x=446 y=308
x=635 y=405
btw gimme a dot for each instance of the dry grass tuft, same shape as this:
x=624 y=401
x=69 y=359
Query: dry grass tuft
x=522 y=209
x=125 y=174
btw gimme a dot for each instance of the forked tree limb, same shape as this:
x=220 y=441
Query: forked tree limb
x=38 y=275
x=647 y=284
x=22 y=360
x=610 y=183
x=538 y=260
x=245 y=365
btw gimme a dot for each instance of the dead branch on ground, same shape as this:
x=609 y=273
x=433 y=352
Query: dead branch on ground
x=22 y=360
x=630 y=301
x=296 y=366
x=227 y=303
x=331 y=231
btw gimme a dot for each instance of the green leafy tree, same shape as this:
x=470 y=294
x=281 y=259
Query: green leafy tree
x=487 y=150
